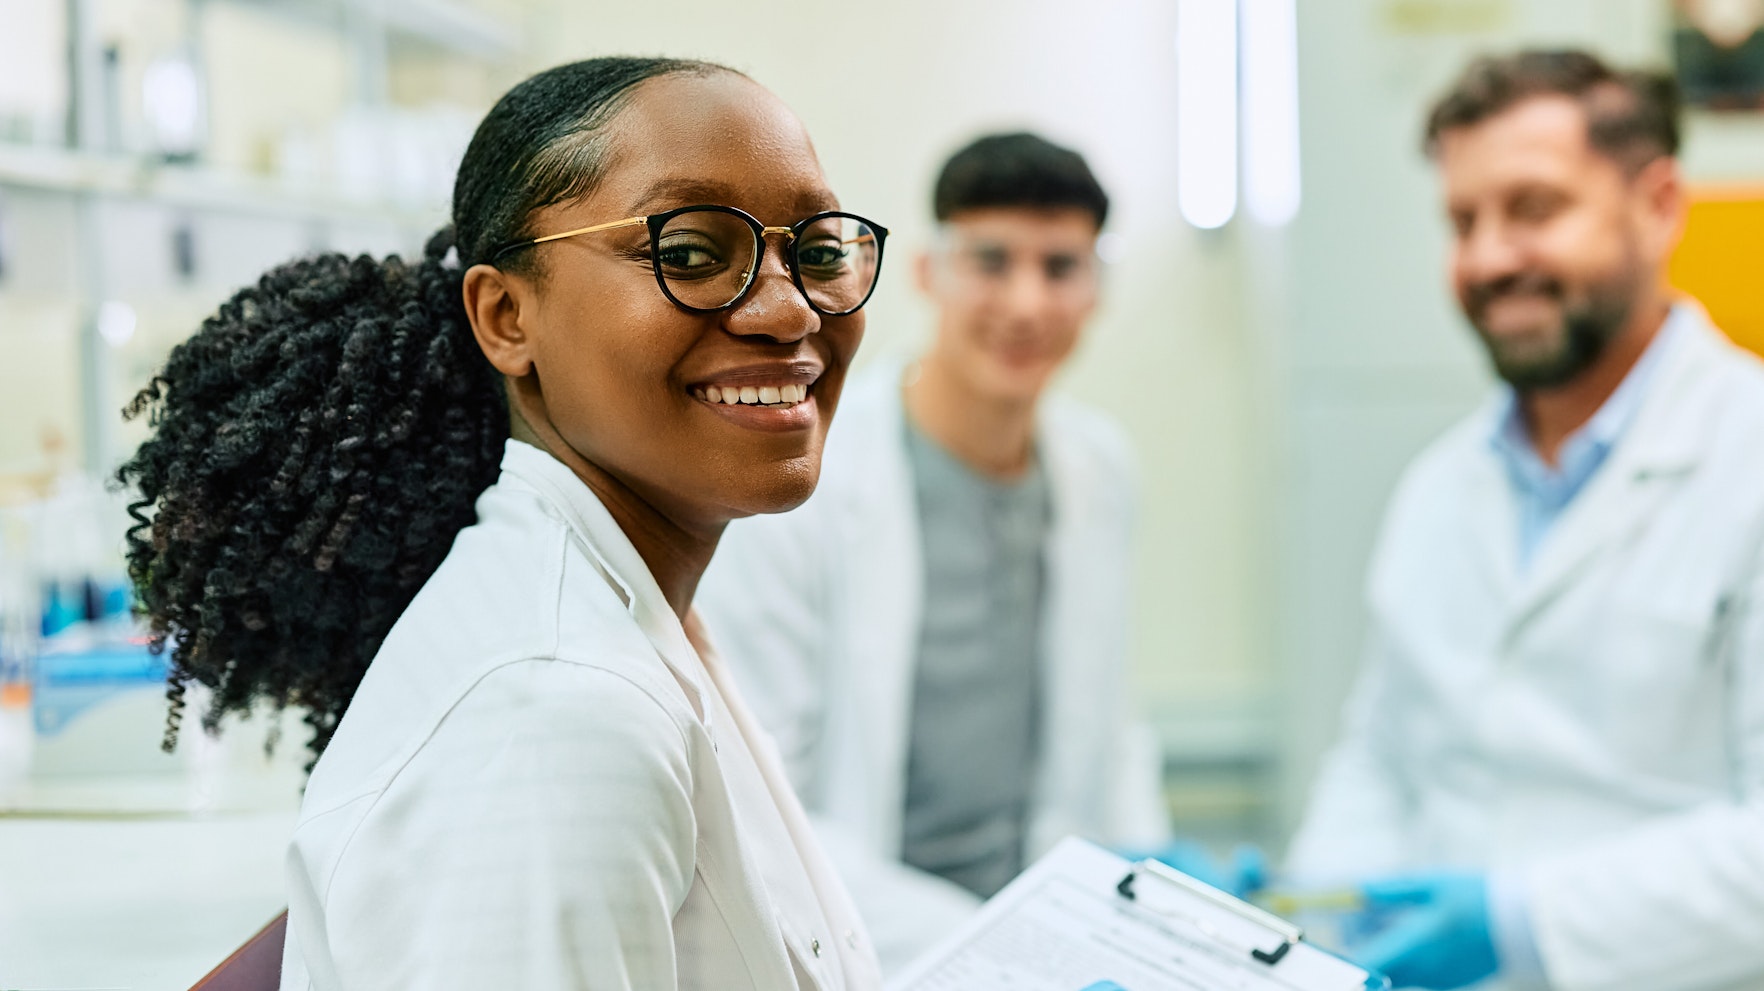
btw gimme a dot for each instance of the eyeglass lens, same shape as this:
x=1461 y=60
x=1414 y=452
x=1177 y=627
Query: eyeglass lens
x=707 y=258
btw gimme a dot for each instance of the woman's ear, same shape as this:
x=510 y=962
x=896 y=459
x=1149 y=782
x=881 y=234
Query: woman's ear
x=500 y=307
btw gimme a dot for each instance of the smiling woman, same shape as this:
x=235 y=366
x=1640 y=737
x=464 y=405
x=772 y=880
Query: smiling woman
x=458 y=511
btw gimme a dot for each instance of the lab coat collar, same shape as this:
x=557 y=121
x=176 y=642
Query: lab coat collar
x=1669 y=435
x=1663 y=445
x=614 y=556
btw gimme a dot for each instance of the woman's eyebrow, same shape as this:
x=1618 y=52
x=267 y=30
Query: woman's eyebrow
x=817 y=201
x=682 y=191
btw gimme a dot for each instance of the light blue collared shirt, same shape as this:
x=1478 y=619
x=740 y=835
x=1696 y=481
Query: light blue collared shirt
x=1541 y=492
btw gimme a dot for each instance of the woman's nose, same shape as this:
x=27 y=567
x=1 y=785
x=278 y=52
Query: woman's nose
x=773 y=306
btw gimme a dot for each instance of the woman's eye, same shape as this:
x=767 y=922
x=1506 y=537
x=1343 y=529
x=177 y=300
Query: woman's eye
x=828 y=256
x=688 y=256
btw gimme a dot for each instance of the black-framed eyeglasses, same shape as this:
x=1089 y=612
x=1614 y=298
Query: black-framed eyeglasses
x=706 y=257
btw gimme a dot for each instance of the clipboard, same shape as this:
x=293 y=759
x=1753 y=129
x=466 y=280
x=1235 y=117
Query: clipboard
x=1083 y=918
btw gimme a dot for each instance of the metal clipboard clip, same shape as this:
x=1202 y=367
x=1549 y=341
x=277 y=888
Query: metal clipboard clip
x=1289 y=934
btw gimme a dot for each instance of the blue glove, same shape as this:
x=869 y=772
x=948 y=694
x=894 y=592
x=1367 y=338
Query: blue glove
x=1437 y=934
x=1245 y=872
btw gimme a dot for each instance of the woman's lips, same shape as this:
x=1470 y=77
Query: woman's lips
x=779 y=416
x=771 y=395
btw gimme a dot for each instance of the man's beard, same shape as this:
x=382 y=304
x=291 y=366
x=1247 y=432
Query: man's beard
x=1589 y=324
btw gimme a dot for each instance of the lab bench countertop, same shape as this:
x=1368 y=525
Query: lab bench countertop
x=149 y=902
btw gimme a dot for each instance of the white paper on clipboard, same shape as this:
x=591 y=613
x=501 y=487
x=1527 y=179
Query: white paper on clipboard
x=1063 y=926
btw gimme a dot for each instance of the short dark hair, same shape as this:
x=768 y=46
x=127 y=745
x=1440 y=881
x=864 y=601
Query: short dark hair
x=1632 y=116
x=1017 y=170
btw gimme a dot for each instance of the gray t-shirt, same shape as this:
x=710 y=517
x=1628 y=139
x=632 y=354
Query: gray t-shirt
x=976 y=691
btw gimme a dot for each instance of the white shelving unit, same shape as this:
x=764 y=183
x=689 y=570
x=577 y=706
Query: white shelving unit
x=58 y=170
x=164 y=242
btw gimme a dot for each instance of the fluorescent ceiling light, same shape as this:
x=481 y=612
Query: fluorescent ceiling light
x=171 y=98
x=1206 y=111
x=1270 y=110
x=116 y=323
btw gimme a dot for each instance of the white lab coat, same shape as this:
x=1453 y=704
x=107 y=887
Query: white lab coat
x=818 y=614
x=540 y=784
x=1594 y=723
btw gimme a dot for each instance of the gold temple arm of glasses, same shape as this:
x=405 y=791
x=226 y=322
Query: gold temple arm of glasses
x=627 y=222
x=632 y=221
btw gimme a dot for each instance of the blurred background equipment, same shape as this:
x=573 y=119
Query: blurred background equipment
x=1718 y=53
x=155 y=155
x=1718 y=46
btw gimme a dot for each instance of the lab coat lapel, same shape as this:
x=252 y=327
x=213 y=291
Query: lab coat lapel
x=1660 y=450
x=882 y=570
x=618 y=562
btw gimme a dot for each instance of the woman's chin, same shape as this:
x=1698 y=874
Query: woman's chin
x=780 y=489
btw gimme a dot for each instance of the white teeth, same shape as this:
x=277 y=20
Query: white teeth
x=749 y=395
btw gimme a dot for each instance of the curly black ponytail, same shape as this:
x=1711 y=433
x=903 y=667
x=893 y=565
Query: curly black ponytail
x=317 y=445
x=320 y=441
